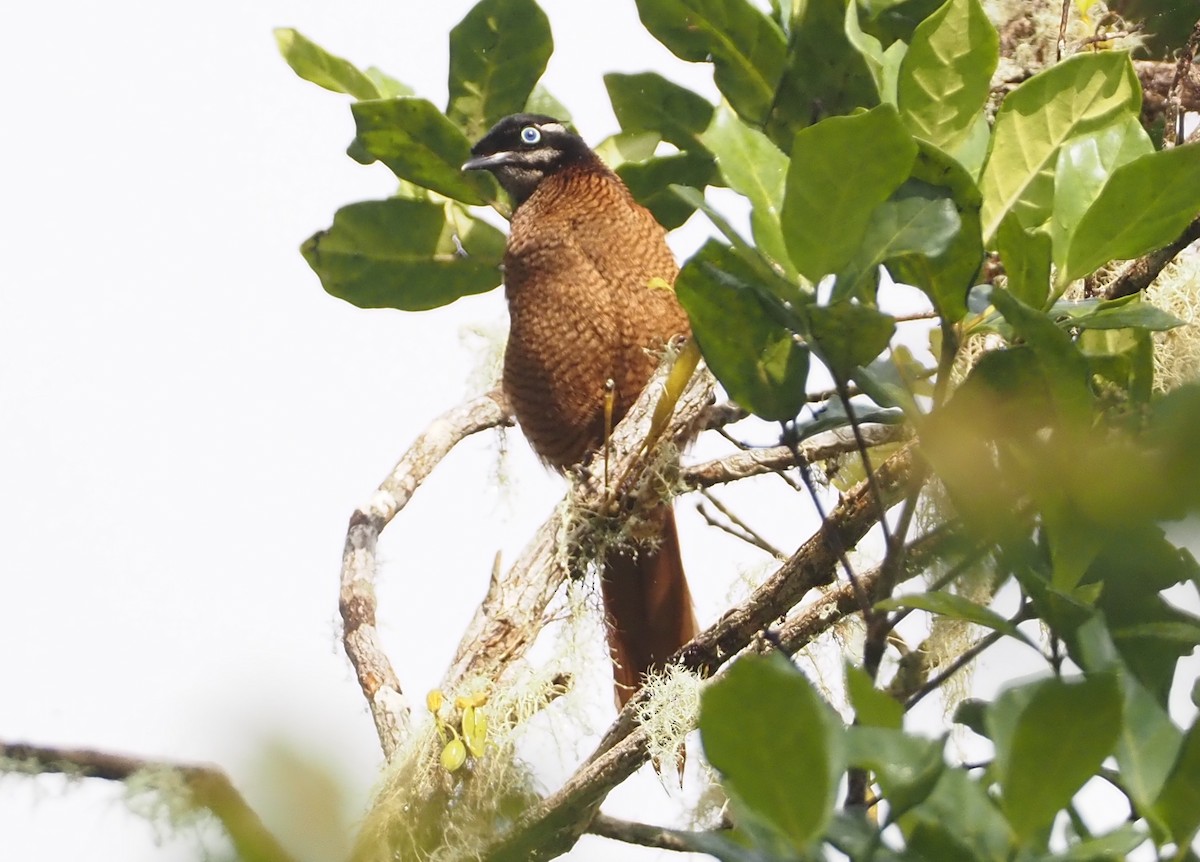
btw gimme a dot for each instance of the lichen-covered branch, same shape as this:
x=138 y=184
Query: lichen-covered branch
x=356 y=598
x=207 y=787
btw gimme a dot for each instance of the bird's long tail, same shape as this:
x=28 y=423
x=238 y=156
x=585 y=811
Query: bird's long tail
x=648 y=608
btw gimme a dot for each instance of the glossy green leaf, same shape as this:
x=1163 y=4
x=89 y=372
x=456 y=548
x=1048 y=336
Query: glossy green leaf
x=946 y=74
x=891 y=20
x=947 y=276
x=416 y=141
x=1031 y=794
x=754 y=167
x=1084 y=165
x=1026 y=256
x=497 y=54
x=763 y=725
x=956 y=607
x=755 y=356
x=542 y=101
x=1145 y=204
x=399 y=253
x=918 y=219
x=872 y=707
x=824 y=218
x=623 y=147
x=313 y=63
x=1178 y=804
x=746 y=47
x=650 y=182
x=824 y=74
x=884 y=66
x=649 y=102
x=1080 y=94
x=847 y=334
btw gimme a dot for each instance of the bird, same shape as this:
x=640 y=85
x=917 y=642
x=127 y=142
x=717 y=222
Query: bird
x=587 y=278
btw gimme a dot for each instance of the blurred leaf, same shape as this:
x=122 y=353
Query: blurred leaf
x=1145 y=204
x=616 y=150
x=906 y=767
x=755 y=356
x=946 y=74
x=498 y=52
x=1031 y=794
x=823 y=219
x=1126 y=312
x=856 y=835
x=746 y=47
x=1084 y=165
x=1115 y=845
x=649 y=102
x=754 y=167
x=958 y=821
x=542 y=101
x=399 y=253
x=847 y=334
x=762 y=725
x=824 y=74
x=1178 y=804
x=1026 y=256
x=956 y=607
x=1082 y=93
x=416 y=141
x=892 y=20
x=650 y=183
x=313 y=63
x=946 y=275
x=387 y=86
x=833 y=415
x=872 y=707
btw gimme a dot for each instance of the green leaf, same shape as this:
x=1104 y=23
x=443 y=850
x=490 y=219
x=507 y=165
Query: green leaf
x=956 y=607
x=824 y=74
x=1128 y=312
x=957 y=822
x=755 y=356
x=498 y=52
x=1144 y=205
x=1178 y=804
x=1026 y=257
x=1032 y=794
x=824 y=219
x=847 y=334
x=650 y=183
x=907 y=767
x=883 y=65
x=918 y=219
x=649 y=102
x=623 y=147
x=1082 y=93
x=892 y=20
x=400 y=253
x=542 y=101
x=416 y=141
x=746 y=47
x=763 y=725
x=313 y=63
x=1084 y=165
x=946 y=276
x=754 y=167
x=1114 y=845
x=388 y=87
x=872 y=707
x=946 y=74
x=1149 y=744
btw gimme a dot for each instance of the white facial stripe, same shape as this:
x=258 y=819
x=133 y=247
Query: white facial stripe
x=552 y=127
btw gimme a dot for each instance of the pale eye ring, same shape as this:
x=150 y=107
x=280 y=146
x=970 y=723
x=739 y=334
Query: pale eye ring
x=531 y=135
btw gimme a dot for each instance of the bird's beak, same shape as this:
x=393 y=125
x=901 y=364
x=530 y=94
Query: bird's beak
x=484 y=163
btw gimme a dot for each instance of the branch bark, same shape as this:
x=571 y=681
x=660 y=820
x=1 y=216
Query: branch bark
x=208 y=787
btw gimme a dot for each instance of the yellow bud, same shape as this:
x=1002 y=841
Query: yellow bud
x=454 y=755
x=434 y=701
x=479 y=698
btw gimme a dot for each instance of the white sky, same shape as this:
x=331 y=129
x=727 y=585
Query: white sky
x=187 y=419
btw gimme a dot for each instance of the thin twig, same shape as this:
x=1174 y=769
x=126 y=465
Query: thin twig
x=737 y=527
x=208 y=787
x=1139 y=274
x=963 y=659
x=356 y=598
x=642 y=834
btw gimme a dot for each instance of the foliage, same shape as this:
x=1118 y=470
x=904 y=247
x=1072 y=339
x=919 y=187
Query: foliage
x=860 y=138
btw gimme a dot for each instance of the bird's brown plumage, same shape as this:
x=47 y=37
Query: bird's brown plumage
x=587 y=272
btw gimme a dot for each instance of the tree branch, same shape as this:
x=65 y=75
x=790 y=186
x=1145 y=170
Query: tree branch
x=208 y=787
x=356 y=598
x=643 y=834
x=1137 y=275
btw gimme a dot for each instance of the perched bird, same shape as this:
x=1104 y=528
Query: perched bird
x=587 y=275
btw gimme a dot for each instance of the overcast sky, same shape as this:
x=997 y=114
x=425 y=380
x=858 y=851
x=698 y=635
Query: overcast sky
x=188 y=419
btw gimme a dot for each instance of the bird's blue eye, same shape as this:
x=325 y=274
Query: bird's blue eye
x=531 y=134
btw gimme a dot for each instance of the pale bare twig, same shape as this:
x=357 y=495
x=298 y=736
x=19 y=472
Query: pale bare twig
x=643 y=834
x=736 y=526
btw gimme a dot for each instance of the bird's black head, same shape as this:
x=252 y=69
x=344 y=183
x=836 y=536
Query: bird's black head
x=523 y=149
